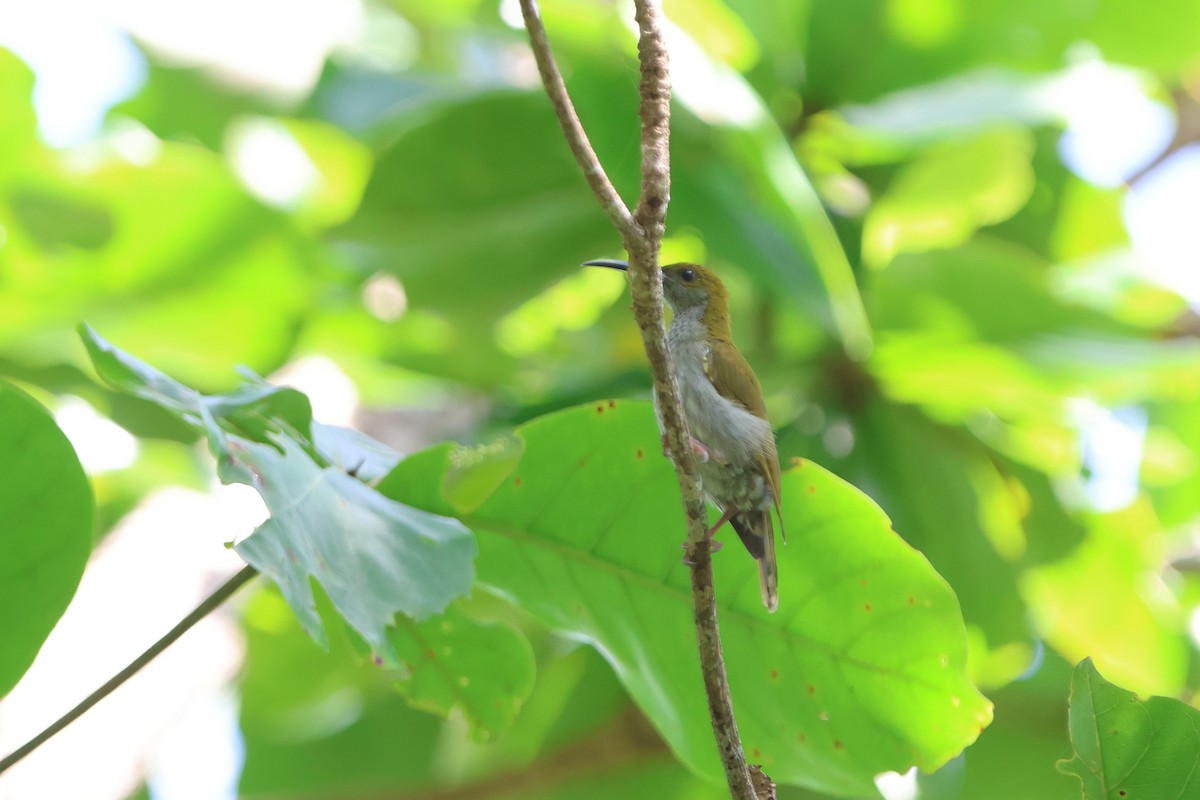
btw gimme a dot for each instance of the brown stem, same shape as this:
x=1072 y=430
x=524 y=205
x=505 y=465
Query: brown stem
x=642 y=233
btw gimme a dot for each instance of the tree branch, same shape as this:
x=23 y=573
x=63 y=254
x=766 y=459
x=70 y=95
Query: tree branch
x=572 y=128
x=642 y=237
x=206 y=607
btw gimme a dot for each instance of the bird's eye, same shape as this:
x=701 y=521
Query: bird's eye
x=688 y=275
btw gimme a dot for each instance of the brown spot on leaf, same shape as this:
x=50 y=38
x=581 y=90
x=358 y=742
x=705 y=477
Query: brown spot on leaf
x=837 y=744
x=812 y=490
x=862 y=581
x=612 y=403
x=911 y=600
x=867 y=607
x=756 y=753
x=803 y=738
x=600 y=409
x=583 y=462
x=517 y=481
x=812 y=690
x=640 y=454
x=774 y=674
x=430 y=654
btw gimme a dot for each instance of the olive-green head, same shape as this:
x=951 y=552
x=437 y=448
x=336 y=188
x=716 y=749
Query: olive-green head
x=686 y=287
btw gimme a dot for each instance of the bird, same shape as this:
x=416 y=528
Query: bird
x=727 y=418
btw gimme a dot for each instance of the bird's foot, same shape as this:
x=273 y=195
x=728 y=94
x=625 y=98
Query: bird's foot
x=714 y=546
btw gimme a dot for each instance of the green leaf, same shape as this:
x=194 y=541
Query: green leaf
x=253 y=410
x=45 y=529
x=354 y=452
x=373 y=556
x=476 y=472
x=453 y=661
x=868 y=637
x=1130 y=748
x=575 y=696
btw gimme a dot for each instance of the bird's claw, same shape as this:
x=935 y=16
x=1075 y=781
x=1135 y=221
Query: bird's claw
x=714 y=546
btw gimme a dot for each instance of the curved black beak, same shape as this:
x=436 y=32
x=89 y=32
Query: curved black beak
x=611 y=263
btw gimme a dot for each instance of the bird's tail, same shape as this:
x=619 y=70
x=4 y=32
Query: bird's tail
x=757 y=533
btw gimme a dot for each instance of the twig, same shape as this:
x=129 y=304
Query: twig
x=572 y=128
x=642 y=240
x=206 y=607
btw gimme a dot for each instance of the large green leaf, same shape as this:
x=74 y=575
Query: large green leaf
x=1130 y=748
x=45 y=529
x=868 y=638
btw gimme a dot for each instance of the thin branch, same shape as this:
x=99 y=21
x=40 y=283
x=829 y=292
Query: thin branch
x=572 y=128
x=642 y=240
x=654 y=109
x=205 y=608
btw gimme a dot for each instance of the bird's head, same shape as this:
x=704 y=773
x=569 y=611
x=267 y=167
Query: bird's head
x=686 y=287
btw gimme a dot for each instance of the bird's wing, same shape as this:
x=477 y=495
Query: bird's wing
x=734 y=380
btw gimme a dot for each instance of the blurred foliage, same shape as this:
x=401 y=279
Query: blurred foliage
x=941 y=310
